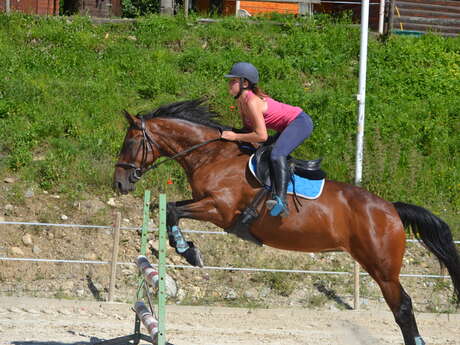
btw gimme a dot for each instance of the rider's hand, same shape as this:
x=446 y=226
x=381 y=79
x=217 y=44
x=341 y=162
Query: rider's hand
x=228 y=135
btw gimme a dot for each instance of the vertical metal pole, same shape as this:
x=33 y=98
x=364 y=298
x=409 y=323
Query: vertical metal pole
x=116 y=242
x=381 y=16
x=144 y=235
x=7 y=6
x=237 y=7
x=162 y=272
x=186 y=5
x=361 y=111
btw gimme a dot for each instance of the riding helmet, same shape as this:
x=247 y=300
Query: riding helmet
x=244 y=70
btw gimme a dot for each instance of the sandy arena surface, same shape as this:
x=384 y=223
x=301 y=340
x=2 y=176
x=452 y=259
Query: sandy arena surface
x=38 y=321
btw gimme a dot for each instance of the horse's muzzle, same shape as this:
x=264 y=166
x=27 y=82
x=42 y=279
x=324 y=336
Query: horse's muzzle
x=122 y=181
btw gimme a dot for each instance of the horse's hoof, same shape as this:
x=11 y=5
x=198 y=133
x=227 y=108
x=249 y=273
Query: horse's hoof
x=193 y=255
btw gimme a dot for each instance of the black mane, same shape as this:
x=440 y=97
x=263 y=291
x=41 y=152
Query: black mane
x=192 y=110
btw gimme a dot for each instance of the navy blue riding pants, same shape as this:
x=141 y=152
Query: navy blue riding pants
x=292 y=136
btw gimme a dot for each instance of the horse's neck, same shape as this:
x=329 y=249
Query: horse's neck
x=211 y=153
x=186 y=135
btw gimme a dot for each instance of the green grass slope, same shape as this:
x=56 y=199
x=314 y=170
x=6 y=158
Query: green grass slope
x=63 y=84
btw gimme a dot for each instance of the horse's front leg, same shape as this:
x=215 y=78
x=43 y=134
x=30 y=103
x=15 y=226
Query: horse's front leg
x=201 y=210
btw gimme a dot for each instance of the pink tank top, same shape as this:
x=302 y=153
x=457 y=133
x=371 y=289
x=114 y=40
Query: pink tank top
x=278 y=115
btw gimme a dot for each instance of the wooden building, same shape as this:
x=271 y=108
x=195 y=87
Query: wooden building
x=94 y=8
x=426 y=15
x=42 y=7
x=403 y=16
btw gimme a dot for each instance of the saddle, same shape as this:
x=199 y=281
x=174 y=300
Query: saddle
x=310 y=169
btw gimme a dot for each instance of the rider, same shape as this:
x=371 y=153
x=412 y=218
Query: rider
x=258 y=112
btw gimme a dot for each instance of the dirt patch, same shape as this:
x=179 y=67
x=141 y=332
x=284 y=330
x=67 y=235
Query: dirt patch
x=36 y=321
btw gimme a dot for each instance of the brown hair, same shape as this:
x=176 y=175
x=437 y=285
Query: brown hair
x=258 y=91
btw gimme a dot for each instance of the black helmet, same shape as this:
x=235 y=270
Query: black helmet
x=244 y=70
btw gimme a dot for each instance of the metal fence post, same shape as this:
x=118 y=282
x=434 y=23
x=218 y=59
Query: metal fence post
x=116 y=242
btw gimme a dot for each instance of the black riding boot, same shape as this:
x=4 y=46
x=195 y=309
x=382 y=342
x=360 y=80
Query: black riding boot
x=278 y=205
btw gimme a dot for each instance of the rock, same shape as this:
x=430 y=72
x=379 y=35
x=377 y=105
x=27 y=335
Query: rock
x=125 y=220
x=80 y=292
x=9 y=207
x=111 y=202
x=91 y=256
x=231 y=294
x=27 y=240
x=171 y=286
x=9 y=180
x=180 y=295
x=264 y=292
x=127 y=271
x=50 y=235
x=64 y=217
x=29 y=193
x=16 y=251
x=36 y=250
x=92 y=206
x=251 y=293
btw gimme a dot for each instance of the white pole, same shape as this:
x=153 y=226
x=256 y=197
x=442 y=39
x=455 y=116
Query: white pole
x=237 y=8
x=7 y=6
x=381 y=16
x=361 y=101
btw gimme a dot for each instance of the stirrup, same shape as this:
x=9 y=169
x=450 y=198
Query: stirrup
x=277 y=207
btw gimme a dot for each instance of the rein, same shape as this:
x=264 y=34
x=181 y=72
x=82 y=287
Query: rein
x=148 y=143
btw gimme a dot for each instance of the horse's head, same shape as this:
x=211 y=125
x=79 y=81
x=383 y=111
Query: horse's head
x=139 y=150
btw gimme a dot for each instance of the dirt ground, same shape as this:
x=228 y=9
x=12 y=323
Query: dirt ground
x=39 y=321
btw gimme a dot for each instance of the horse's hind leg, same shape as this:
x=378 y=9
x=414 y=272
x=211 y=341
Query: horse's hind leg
x=385 y=270
x=401 y=305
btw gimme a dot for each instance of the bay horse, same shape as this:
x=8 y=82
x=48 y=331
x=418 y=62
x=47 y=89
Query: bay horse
x=344 y=218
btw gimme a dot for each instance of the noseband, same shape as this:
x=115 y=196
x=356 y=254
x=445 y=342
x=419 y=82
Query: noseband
x=146 y=145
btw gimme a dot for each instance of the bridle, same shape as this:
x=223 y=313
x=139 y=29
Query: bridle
x=147 y=143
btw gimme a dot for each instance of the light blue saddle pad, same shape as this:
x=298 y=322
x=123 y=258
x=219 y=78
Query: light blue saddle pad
x=304 y=187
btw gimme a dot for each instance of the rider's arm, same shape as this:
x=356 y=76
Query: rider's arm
x=256 y=118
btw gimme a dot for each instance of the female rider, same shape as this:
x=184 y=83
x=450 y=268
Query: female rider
x=259 y=112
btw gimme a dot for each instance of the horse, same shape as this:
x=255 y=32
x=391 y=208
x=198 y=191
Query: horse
x=343 y=218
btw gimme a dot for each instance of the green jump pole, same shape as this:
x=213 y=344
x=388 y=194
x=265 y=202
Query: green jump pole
x=162 y=272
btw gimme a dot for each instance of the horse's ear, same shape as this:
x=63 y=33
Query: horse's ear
x=129 y=117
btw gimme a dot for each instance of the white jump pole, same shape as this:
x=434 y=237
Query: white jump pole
x=361 y=101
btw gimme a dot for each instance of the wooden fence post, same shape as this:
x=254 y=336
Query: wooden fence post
x=356 y=286
x=116 y=242
x=391 y=12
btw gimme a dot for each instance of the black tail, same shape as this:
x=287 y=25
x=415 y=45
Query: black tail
x=436 y=235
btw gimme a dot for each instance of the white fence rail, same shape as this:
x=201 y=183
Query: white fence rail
x=246 y=269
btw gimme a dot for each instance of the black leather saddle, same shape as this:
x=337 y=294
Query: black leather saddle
x=310 y=169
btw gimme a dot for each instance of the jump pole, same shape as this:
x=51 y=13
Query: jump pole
x=142 y=313
x=162 y=272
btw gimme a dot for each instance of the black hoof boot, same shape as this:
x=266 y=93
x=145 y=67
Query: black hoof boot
x=193 y=255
